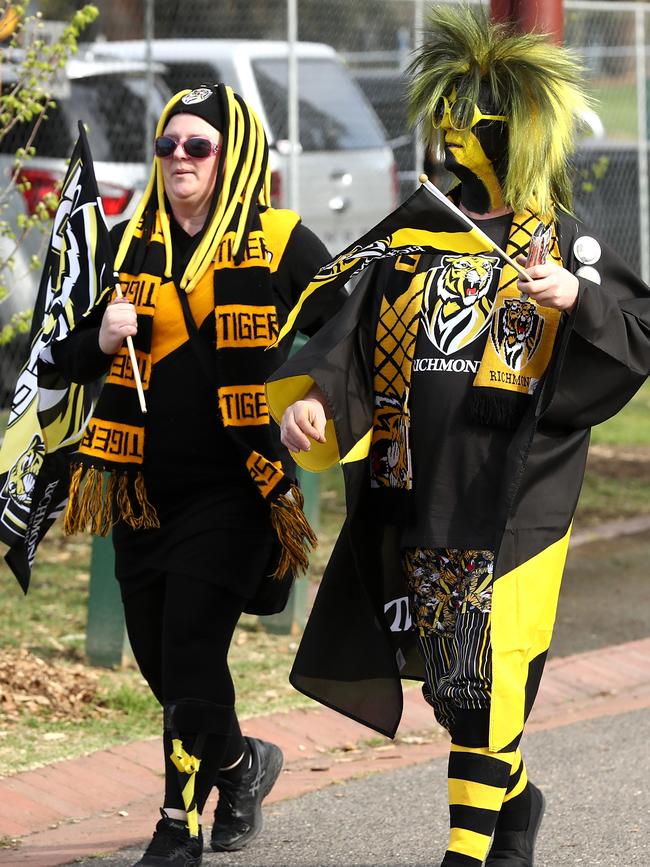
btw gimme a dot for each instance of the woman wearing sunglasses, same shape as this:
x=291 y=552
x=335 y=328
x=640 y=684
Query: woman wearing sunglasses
x=207 y=517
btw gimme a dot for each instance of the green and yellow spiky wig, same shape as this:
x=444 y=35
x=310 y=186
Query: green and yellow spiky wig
x=243 y=182
x=535 y=83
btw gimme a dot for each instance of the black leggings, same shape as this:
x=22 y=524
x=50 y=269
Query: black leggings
x=180 y=629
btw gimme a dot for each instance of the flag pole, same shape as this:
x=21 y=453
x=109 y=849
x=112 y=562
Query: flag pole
x=426 y=183
x=134 y=360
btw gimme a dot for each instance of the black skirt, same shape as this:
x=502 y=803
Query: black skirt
x=221 y=534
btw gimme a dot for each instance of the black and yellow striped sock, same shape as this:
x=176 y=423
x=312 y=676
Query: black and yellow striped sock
x=477 y=781
x=515 y=811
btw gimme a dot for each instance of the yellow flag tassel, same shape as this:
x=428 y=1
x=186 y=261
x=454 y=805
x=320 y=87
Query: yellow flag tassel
x=294 y=532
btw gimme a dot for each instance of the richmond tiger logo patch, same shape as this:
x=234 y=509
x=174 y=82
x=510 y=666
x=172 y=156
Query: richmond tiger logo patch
x=21 y=479
x=458 y=300
x=390 y=455
x=516 y=332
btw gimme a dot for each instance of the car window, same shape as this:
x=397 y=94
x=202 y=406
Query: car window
x=387 y=93
x=112 y=107
x=333 y=113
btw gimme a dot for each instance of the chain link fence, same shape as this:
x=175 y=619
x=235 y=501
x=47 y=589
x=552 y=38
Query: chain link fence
x=611 y=189
x=349 y=119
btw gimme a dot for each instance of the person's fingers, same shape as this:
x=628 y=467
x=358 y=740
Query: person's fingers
x=313 y=424
x=119 y=322
x=558 y=290
x=542 y=272
x=121 y=307
x=302 y=422
x=291 y=434
x=122 y=318
x=126 y=318
x=296 y=442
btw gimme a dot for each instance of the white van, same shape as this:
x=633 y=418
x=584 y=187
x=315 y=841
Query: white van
x=347 y=175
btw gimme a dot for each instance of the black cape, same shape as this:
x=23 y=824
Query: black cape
x=355 y=649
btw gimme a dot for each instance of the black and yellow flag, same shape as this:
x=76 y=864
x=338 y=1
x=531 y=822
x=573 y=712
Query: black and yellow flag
x=426 y=222
x=48 y=414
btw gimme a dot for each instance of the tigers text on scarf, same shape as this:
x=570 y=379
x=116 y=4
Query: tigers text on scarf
x=246 y=325
x=516 y=355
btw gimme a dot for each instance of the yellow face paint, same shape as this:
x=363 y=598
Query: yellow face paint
x=465 y=150
x=466 y=158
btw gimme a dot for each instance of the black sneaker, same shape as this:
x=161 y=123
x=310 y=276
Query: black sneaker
x=238 y=817
x=516 y=848
x=172 y=846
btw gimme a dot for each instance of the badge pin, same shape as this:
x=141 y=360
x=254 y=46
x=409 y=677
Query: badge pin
x=587 y=250
x=589 y=273
x=198 y=95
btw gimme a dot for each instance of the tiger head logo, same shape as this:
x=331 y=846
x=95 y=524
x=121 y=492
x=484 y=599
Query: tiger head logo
x=465 y=279
x=354 y=260
x=390 y=456
x=458 y=300
x=517 y=332
x=21 y=479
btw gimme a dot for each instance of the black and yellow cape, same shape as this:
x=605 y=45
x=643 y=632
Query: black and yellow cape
x=356 y=647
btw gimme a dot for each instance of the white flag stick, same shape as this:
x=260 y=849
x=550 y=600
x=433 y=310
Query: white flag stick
x=426 y=183
x=134 y=360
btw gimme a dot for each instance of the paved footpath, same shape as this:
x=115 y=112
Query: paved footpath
x=594 y=775
x=108 y=800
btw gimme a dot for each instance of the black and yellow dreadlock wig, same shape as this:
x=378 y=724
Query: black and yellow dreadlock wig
x=536 y=84
x=243 y=182
x=230 y=269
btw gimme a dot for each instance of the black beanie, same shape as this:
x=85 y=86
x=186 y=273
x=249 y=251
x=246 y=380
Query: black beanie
x=204 y=102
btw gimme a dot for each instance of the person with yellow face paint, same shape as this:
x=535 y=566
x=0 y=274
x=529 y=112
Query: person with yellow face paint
x=474 y=145
x=458 y=399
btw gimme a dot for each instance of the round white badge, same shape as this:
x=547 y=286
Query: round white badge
x=588 y=273
x=587 y=250
x=198 y=95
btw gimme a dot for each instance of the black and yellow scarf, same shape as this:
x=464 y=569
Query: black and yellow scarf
x=246 y=325
x=508 y=374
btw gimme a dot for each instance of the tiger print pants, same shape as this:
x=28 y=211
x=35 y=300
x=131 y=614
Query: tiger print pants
x=450 y=595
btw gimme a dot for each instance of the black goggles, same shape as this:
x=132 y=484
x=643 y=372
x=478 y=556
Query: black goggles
x=196 y=146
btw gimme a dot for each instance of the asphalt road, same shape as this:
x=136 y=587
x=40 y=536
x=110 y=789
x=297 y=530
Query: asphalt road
x=595 y=775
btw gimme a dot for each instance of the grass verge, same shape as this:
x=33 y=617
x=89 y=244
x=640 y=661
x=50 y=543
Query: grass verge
x=48 y=626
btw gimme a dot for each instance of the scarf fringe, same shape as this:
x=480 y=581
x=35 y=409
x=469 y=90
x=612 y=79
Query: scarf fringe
x=97 y=507
x=107 y=521
x=148 y=518
x=293 y=531
x=497 y=409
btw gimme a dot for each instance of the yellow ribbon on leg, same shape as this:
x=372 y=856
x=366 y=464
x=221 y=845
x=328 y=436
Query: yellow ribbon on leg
x=187 y=764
